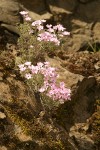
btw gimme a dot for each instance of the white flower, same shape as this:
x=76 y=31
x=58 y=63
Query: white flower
x=23 y=12
x=27 y=63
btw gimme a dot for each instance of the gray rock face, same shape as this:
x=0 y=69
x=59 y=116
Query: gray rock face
x=37 y=6
x=59 y=6
x=9 y=15
x=9 y=12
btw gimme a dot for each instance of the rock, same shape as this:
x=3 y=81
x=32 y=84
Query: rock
x=1 y=76
x=74 y=115
x=3 y=148
x=21 y=136
x=84 y=99
x=9 y=12
x=37 y=9
x=2 y=115
x=9 y=16
x=24 y=137
x=97 y=67
x=65 y=6
x=37 y=6
x=88 y=11
x=10 y=28
x=82 y=90
x=83 y=141
x=80 y=35
x=46 y=15
x=4 y=91
x=96 y=34
x=64 y=75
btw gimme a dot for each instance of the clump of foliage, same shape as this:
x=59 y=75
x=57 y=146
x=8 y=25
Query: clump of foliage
x=43 y=79
x=95 y=47
x=36 y=40
x=34 y=43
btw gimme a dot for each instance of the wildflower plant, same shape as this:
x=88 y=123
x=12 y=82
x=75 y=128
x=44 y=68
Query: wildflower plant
x=35 y=41
x=43 y=79
x=29 y=48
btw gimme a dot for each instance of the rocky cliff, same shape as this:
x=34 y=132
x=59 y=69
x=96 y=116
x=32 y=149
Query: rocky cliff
x=75 y=125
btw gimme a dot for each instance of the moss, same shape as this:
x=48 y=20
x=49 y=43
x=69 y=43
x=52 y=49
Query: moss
x=18 y=121
x=7 y=62
x=59 y=145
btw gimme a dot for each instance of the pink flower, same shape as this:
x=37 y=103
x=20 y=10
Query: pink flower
x=56 y=41
x=49 y=25
x=37 y=22
x=43 y=20
x=51 y=30
x=42 y=90
x=60 y=27
x=40 y=65
x=22 y=67
x=27 y=18
x=53 y=90
x=28 y=76
x=39 y=39
x=49 y=37
x=46 y=64
x=55 y=27
x=40 y=27
x=34 y=69
x=33 y=24
x=62 y=85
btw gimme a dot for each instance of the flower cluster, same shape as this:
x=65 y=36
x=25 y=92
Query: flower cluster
x=49 y=86
x=50 y=34
x=48 y=37
x=25 y=15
